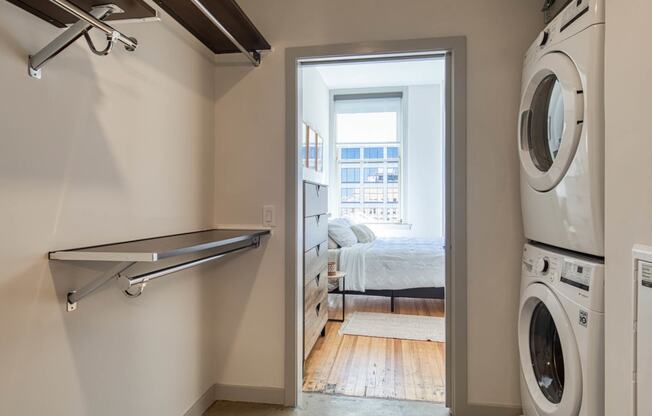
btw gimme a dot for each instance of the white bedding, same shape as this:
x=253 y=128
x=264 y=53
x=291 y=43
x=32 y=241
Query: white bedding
x=392 y=264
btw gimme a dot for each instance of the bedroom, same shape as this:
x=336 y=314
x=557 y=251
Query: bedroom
x=372 y=155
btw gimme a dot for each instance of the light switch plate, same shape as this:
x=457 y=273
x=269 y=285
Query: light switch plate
x=269 y=216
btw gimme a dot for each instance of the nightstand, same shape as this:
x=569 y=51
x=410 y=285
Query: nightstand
x=334 y=288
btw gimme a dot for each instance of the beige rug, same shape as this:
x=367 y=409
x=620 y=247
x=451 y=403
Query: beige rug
x=391 y=325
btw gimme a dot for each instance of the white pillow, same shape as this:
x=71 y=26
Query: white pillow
x=364 y=233
x=340 y=231
x=332 y=243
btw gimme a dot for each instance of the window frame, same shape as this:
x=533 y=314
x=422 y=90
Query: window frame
x=402 y=160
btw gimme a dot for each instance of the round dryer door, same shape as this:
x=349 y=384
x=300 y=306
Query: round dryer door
x=550 y=122
x=549 y=355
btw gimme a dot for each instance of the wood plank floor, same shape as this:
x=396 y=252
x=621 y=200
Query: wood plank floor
x=377 y=367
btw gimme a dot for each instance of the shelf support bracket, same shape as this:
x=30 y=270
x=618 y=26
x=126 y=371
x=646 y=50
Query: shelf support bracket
x=75 y=296
x=86 y=22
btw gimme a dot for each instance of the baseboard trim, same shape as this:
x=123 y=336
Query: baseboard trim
x=251 y=394
x=203 y=403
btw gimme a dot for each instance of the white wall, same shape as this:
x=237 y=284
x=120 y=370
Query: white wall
x=250 y=118
x=425 y=199
x=316 y=113
x=628 y=176
x=102 y=150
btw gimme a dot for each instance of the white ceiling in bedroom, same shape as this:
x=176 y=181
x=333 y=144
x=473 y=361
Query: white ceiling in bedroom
x=377 y=74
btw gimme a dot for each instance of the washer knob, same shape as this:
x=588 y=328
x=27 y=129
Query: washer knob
x=542 y=265
x=543 y=38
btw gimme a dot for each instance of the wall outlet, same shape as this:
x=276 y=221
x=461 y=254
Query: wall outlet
x=269 y=216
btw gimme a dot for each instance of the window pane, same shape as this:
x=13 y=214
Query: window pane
x=374 y=175
x=392 y=193
x=392 y=215
x=392 y=153
x=374 y=194
x=350 y=212
x=374 y=153
x=351 y=153
x=375 y=214
x=392 y=174
x=350 y=175
x=350 y=195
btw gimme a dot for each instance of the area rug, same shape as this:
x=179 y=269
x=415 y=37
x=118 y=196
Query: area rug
x=397 y=326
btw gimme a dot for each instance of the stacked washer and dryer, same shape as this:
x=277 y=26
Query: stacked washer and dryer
x=561 y=148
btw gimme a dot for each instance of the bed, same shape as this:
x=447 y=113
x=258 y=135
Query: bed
x=392 y=267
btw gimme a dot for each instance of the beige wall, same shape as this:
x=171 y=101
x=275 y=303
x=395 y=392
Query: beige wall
x=628 y=190
x=102 y=150
x=250 y=169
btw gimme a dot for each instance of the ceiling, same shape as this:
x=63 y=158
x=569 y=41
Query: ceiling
x=378 y=74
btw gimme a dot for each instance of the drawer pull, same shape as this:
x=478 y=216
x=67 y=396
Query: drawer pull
x=317 y=249
x=317 y=279
x=318 y=308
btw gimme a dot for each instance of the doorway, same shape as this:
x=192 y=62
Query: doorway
x=351 y=169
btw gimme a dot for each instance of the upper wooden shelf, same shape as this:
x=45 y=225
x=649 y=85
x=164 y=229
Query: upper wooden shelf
x=157 y=248
x=229 y=14
x=50 y=12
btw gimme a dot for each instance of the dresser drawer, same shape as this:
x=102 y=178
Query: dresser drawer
x=314 y=290
x=315 y=199
x=314 y=261
x=315 y=231
x=315 y=318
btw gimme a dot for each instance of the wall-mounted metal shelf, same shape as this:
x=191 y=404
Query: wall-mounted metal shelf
x=151 y=250
x=221 y=25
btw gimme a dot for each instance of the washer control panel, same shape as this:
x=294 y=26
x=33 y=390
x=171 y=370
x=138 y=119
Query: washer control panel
x=577 y=274
x=579 y=278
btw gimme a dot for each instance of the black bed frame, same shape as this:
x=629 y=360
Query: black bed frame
x=420 y=293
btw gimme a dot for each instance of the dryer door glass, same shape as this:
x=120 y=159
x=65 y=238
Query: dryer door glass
x=546 y=354
x=547 y=123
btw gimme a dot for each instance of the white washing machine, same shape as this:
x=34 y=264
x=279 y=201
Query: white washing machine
x=561 y=333
x=561 y=131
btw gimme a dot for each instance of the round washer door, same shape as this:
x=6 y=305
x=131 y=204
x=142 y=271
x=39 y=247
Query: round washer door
x=549 y=355
x=550 y=122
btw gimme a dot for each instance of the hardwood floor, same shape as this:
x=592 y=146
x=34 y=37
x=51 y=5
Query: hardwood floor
x=377 y=367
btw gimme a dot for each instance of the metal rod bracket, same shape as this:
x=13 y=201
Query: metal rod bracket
x=87 y=21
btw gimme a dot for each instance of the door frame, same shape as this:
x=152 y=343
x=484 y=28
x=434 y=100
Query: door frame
x=455 y=210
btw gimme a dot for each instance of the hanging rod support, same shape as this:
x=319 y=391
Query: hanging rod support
x=86 y=22
x=254 y=57
x=77 y=295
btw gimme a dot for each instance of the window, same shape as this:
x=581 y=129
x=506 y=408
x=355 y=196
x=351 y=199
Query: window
x=350 y=195
x=374 y=153
x=350 y=153
x=350 y=175
x=392 y=152
x=368 y=140
x=374 y=175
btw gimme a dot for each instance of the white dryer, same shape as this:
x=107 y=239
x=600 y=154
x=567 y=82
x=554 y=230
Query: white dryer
x=561 y=333
x=561 y=131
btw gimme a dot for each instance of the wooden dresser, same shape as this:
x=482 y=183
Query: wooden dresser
x=315 y=264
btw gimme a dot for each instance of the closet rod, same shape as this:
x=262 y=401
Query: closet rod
x=126 y=283
x=108 y=30
x=254 y=56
